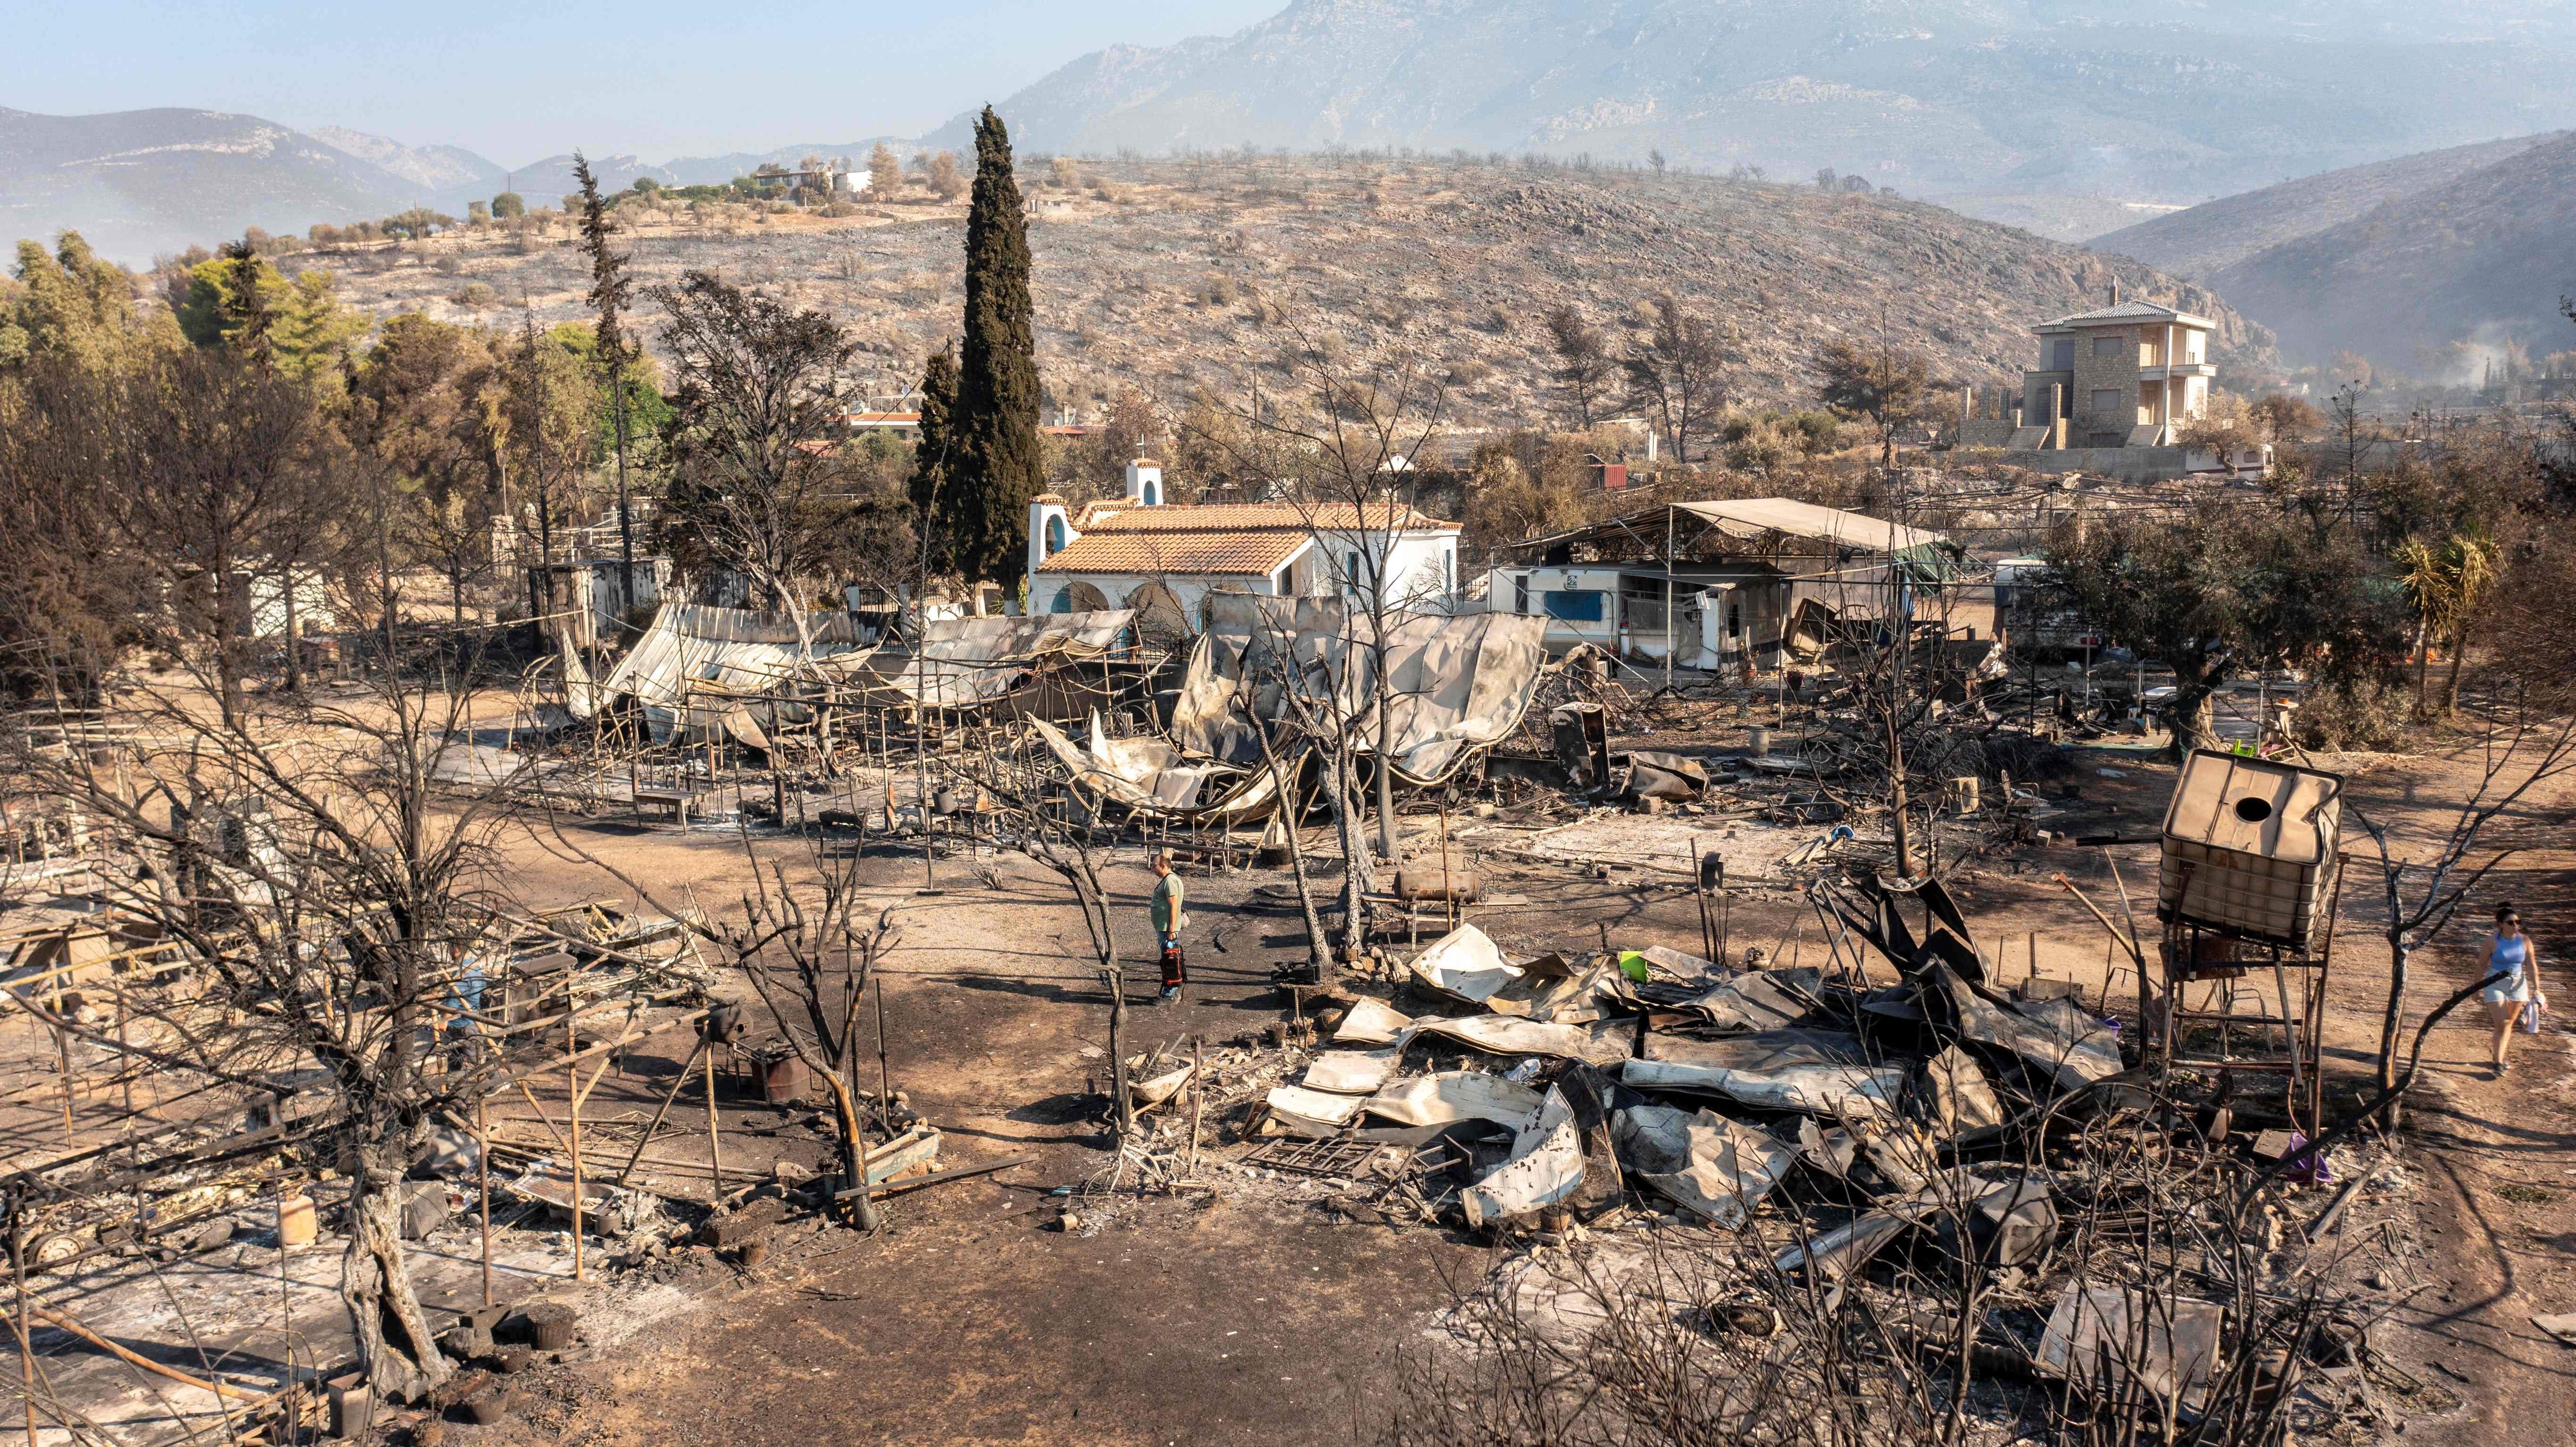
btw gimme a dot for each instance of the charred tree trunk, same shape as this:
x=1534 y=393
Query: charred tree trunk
x=2191 y=717
x=2393 y=1023
x=294 y=645
x=1355 y=851
x=1122 y=1103
x=395 y=1343
x=2423 y=667
x=1319 y=952
x=231 y=621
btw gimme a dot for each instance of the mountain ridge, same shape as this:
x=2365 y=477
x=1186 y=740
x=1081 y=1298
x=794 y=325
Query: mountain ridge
x=2216 y=234
x=135 y=183
x=2477 y=259
x=1905 y=93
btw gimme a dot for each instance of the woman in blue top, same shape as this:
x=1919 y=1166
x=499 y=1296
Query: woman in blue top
x=2511 y=954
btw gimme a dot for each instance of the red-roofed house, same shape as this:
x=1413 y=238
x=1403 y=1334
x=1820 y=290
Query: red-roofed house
x=1140 y=552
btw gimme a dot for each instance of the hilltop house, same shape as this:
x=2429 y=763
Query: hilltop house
x=2124 y=375
x=1140 y=551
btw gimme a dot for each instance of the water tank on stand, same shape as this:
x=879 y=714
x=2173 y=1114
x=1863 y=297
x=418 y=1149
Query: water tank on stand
x=2248 y=847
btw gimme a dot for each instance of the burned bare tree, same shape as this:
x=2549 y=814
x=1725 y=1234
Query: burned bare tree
x=1676 y=375
x=2520 y=749
x=1346 y=446
x=758 y=482
x=300 y=861
x=1062 y=849
x=1583 y=365
x=809 y=955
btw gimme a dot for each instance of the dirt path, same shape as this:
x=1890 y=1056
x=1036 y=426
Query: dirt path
x=2497 y=1157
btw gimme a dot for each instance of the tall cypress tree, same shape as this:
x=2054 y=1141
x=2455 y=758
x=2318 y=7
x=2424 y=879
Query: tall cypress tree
x=609 y=289
x=995 y=469
x=934 y=461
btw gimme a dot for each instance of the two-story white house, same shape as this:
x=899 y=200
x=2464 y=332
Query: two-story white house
x=1140 y=551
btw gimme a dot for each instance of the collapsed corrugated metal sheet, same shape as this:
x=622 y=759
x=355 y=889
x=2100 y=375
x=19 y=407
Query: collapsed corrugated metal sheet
x=698 y=663
x=1460 y=683
x=1150 y=775
x=964 y=662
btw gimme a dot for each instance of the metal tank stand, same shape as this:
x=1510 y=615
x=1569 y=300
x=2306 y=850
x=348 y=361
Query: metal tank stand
x=2221 y=1036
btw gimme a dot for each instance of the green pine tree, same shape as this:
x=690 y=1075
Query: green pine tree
x=996 y=468
x=934 y=458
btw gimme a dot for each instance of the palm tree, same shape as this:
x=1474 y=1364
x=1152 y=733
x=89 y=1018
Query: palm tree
x=2447 y=586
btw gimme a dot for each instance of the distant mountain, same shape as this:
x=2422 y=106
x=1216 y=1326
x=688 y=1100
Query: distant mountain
x=136 y=183
x=440 y=170
x=1931 y=96
x=547 y=182
x=2480 y=257
x=2057 y=215
x=2216 y=234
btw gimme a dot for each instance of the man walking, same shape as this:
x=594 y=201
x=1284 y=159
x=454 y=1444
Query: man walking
x=1165 y=907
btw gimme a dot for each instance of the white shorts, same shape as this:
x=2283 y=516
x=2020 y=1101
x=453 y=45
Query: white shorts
x=2512 y=992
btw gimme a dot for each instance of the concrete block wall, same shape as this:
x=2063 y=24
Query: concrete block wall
x=2129 y=464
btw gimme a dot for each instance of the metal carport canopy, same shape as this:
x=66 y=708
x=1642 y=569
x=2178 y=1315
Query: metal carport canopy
x=1753 y=518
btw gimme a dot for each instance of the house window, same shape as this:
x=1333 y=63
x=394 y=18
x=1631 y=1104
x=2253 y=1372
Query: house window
x=1153 y=492
x=1734 y=621
x=1520 y=595
x=2061 y=356
x=1448 y=571
x=1574 y=605
x=2106 y=401
x=2109 y=346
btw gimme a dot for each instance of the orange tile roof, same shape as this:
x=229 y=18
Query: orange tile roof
x=1243 y=538
x=1258 y=554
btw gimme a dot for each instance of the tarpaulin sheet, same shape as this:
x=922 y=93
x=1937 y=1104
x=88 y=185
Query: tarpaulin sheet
x=964 y=662
x=696 y=663
x=1458 y=683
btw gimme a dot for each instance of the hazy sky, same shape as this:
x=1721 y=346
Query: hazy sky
x=523 y=80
